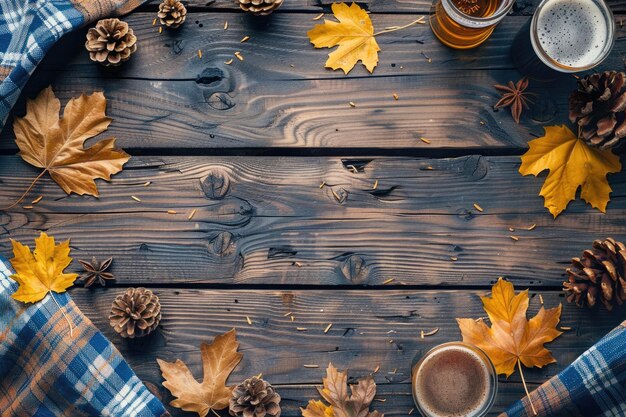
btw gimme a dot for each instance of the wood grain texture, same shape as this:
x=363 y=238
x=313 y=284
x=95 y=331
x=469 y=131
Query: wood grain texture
x=370 y=328
x=525 y=7
x=266 y=221
x=166 y=97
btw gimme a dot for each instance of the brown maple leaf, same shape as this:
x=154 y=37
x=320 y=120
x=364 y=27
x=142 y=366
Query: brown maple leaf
x=335 y=392
x=56 y=144
x=514 y=96
x=218 y=359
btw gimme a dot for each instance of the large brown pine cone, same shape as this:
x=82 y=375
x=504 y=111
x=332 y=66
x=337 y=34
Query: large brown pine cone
x=172 y=13
x=599 y=275
x=254 y=398
x=599 y=108
x=135 y=313
x=260 y=7
x=111 y=42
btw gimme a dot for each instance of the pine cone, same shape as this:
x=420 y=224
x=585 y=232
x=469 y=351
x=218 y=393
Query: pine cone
x=135 y=313
x=599 y=274
x=598 y=106
x=260 y=7
x=172 y=13
x=254 y=398
x=111 y=42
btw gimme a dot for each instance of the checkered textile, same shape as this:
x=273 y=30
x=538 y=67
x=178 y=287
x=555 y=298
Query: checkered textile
x=45 y=373
x=29 y=28
x=593 y=385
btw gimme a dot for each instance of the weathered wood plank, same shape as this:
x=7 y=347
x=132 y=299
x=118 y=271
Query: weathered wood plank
x=525 y=7
x=169 y=98
x=266 y=221
x=370 y=328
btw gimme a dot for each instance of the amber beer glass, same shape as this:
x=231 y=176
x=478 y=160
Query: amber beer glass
x=465 y=24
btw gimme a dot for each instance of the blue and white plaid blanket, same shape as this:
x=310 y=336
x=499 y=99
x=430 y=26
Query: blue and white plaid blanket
x=29 y=28
x=45 y=373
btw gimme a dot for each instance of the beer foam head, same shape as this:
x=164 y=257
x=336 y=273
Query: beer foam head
x=452 y=382
x=572 y=32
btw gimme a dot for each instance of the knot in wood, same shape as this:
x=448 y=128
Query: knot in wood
x=223 y=244
x=216 y=184
x=355 y=269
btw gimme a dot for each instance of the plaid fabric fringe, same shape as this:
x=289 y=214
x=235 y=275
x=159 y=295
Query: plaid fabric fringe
x=29 y=28
x=44 y=372
x=593 y=385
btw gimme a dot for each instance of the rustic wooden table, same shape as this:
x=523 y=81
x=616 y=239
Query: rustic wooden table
x=247 y=145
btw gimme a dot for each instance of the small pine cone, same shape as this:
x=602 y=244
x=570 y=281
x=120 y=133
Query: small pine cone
x=135 y=313
x=599 y=108
x=599 y=275
x=260 y=7
x=254 y=398
x=111 y=42
x=172 y=13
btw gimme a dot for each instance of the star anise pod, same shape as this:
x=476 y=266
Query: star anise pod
x=514 y=96
x=95 y=270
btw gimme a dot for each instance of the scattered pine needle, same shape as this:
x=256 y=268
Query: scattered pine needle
x=328 y=328
x=388 y=281
x=454 y=258
x=430 y=333
x=28 y=207
x=193 y=213
x=137 y=199
x=154 y=21
x=427 y=141
x=319 y=16
x=239 y=56
x=511 y=229
x=565 y=328
x=322 y=184
x=145 y=184
x=160 y=29
x=375 y=186
x=225 y=25
x=244 y=39
x=477 y=207
x=395 y=96
x=298 y=264
x=515 y=238
x=411 y=411
x=301 y=329
x=382 y=400
x=293 y=318
x=352 y=104
x=337 y=196
x=172 y=212
x=311 y=366
x=230 y=61
x=541 y=299
x=200 y=53
x=37 y=200
x=287 y=314
x=248 y=320
x=531 y=227
x=376 y=369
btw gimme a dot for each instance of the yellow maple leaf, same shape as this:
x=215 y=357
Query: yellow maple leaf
x=572 y=164
x=218 y=359
x=41 y=271
x=354 y=33
x=512 y=338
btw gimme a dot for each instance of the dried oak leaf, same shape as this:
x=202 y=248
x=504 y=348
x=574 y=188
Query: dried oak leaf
x=56 y=144
x=512 y=338
x=335 y=392
x=218 y=359
x=354 y=33
x=572 y=164
x=41 y=271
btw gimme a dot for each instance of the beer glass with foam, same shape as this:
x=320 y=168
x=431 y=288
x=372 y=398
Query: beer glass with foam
x=564 y=36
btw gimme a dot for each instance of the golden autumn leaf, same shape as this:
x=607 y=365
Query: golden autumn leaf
x=41 y=271
x=219 y=359
x=342 y=404
x=572 y=164
x=512 y=338
x=354 y=34
x=56 y=144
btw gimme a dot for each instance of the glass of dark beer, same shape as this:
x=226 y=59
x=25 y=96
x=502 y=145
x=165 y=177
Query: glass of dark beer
x=454 y=379
x=564 y=36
